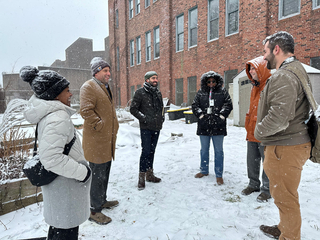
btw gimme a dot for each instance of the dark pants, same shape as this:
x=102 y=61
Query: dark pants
x=63 y=234
x=99 y=185
x=149 y=140
x=255 y=158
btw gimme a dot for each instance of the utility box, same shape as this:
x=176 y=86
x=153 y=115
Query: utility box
x=175 y=114
x=190 y=117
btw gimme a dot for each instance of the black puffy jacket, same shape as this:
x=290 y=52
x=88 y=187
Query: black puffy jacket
x=147 y=107
x=212 y=124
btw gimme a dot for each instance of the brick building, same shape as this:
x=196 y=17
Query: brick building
x=182 y=39
x=76 y=68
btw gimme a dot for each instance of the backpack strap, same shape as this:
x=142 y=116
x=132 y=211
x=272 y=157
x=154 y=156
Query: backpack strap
x=67 y=147
x=305 y=82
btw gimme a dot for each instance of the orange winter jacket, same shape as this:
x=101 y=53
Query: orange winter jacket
x=257 y=86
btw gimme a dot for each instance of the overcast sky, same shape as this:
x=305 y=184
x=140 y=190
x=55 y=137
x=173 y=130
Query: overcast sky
x=37 y=32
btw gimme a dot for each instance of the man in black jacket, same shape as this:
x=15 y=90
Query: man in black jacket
x=147 y=107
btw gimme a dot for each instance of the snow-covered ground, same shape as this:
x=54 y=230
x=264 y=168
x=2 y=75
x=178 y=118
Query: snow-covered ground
x=180 y=207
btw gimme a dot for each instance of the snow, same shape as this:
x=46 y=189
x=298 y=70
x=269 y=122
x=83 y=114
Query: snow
x=180 y=207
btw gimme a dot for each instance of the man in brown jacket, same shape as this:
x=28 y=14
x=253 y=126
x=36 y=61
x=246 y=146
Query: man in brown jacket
x=281 y=128
x=99 y=135
x=258 y=74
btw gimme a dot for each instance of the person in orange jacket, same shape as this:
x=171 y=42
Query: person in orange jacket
x=258 y=74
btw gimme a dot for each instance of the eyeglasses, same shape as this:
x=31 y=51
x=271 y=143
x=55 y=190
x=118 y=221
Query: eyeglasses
x=211 y=81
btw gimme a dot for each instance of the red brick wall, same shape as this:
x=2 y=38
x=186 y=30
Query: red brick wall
x=257 y=19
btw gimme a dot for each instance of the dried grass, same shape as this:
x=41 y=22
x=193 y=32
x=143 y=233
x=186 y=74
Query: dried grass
x=14 y=151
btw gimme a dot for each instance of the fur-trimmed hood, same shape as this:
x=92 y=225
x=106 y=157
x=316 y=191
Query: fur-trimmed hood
x=206 y=76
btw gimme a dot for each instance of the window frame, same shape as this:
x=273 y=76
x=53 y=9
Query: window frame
x=117 y=18
x=118 y=58
x=130 y=9
x=131 y=47
x=138 y=52
x=137 y=7
x=280 y=16
x=314 y=4
x=156 y=42
x=179 y=33
x=210 y=20
x=148 y=47
x=227 y=19
x=146 y=3
x=190 y=29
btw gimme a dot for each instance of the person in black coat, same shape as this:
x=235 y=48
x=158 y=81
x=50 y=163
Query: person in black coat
x=147 y=107
x=212 y=105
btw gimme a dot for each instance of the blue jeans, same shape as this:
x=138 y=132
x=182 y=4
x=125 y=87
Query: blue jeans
x=217 y=141
x=149 y=140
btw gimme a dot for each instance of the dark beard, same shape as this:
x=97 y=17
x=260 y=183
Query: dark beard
x=271 y=64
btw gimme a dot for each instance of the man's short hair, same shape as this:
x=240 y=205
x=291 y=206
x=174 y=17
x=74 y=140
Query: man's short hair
x=283 y=39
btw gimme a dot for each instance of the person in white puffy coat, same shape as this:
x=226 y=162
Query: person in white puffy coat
x=66 y=199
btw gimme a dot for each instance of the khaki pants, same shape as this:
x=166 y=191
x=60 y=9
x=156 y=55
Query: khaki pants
x=283 y=166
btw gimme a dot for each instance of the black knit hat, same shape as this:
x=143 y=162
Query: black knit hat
x=97 y=64
x=46 y=84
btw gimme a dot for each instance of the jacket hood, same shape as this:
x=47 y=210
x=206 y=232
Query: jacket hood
x=261 y=68
x=206 y=76
x=38 y=108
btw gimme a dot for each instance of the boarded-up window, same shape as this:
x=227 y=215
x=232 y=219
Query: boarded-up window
x=132 y=91
x=192 y=89
x=179 y=91
x=228 y=77
x=315 y=62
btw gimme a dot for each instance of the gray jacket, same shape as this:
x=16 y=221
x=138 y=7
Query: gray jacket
x=283 y=108
x=66 y=199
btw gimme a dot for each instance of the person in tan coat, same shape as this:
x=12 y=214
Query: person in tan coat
x=258 y=74
x=99 y=135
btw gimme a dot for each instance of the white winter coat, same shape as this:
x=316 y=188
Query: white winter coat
x=66 y=199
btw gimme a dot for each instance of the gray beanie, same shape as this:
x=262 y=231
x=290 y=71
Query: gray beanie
x=97 y=64
x=149 y=75
x=46 y=84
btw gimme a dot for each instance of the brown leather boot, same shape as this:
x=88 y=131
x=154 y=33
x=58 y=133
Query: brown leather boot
x=271 y=231
x=142 y=180
x=219 y=180
x=150 y=177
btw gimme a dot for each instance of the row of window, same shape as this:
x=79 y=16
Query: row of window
x=136 y=45
x=287 y=8
x=137 y=6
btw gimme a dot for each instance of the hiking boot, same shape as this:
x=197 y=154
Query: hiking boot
x=219 y=180
x=263 y=197
x=99 y=218
x=271 y=231
x=150 y=177
x=248 y=190
x=142 y=181
x=200 y=175
x=110 y=204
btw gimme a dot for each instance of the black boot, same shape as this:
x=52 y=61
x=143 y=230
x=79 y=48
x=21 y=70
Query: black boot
x=151 y=177
x=142 y=180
